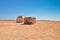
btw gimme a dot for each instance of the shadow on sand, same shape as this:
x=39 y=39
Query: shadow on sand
x=26 y=24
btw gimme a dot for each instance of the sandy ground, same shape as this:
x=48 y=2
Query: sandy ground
x=42 y=30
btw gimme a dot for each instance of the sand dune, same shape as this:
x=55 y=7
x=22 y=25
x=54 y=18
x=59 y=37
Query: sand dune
x=42 y=30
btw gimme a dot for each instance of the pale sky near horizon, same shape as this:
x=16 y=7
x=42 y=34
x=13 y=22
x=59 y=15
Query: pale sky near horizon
x=41 y=9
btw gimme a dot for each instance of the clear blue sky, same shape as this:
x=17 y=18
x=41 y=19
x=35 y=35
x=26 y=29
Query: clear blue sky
x=41 y=9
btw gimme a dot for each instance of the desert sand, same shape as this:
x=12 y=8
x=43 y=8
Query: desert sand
x=42 y=30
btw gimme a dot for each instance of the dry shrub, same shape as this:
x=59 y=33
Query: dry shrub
x=20 y=19
x=29 y=20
